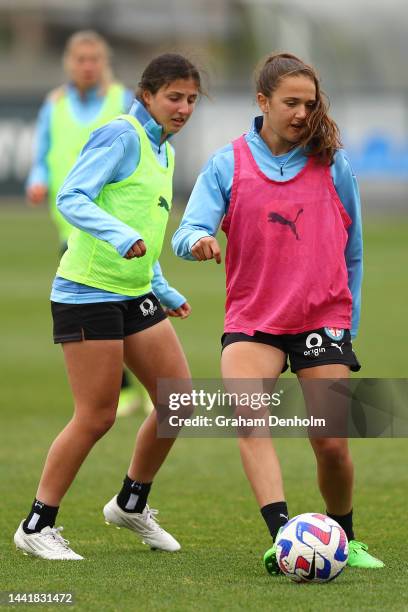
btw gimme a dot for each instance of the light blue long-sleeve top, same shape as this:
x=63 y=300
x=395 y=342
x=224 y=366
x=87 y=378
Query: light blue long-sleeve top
x=210 y=199
x=85 y=107
x=111 y=154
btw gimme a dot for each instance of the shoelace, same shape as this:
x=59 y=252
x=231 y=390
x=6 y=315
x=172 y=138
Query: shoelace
x=55 y=534
x=151 y=514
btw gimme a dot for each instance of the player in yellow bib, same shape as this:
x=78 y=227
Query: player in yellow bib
x=118 y=197
x=69 y=115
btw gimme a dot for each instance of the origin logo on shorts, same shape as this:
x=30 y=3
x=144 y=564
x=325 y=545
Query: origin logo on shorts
x=148 y=308
x=334 y=333
x=314 y=345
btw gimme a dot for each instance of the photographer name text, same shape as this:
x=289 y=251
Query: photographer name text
x=240 y=421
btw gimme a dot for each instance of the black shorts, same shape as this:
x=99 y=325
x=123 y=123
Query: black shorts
x=105 y=320
x=323 y=346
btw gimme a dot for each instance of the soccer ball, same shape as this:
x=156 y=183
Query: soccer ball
x=312 y=547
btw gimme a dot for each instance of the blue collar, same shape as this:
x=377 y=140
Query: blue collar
x=153 y=129
x=254 y=132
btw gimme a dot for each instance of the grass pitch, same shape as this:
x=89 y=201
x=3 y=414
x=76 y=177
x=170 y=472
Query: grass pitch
x=202 y=493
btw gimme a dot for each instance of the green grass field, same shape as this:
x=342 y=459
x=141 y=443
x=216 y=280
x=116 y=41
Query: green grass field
x=202 y=493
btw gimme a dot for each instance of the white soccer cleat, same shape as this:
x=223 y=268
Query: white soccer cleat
x=47 y=544
x=143 y=523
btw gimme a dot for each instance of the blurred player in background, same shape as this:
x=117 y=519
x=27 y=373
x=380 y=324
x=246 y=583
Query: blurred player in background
x=69 y=114
x=118 y=196
x=290 y=207
x=90 y=98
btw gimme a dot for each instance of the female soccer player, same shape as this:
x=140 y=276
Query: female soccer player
x=69 y=114
x=118 y=197
x=67 y=118
x=290 y=207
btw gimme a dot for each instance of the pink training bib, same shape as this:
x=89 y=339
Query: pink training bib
x=285 y=264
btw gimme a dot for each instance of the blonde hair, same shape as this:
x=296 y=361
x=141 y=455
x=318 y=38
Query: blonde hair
x=92 y=37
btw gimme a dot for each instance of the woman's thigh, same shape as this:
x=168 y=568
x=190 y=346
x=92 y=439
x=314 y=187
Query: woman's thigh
x=327 y=397
x=94 y=370
x=156 y=353
x=252 y=360
x=250 y=369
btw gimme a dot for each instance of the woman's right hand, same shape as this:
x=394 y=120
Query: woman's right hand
x=136 y=250
x=36 y=194
x=206 y=248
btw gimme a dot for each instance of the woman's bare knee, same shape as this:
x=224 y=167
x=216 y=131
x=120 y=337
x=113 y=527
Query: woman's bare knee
x=97 y=425
x=331 y=451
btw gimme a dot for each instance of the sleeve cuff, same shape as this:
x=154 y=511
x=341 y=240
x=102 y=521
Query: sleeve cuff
x=195 y=236
x=37 y=176
x=124 y=246
x=174 y=299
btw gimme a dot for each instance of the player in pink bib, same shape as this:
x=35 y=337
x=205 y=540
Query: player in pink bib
x=287 y=199
x=299 y=229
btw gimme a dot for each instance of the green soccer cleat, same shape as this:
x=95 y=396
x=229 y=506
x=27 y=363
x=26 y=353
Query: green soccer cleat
x=271 y=562
x=360 y=557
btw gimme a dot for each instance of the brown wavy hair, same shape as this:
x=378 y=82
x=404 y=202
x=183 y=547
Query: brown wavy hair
x=322 y=136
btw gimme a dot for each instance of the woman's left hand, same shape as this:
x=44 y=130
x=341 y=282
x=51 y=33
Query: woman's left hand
x=136 y=250
x=182 y=312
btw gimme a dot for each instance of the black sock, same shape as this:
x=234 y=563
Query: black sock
x=125 y=380
x=345 y=521
x=40 y=516
x=133 y=495
x=275 y=515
